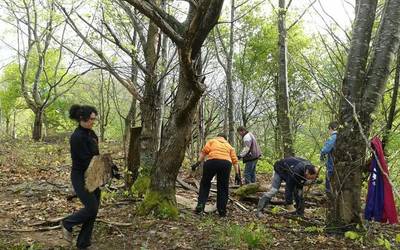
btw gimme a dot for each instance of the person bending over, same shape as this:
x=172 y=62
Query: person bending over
x=295 y=171
x=219 y=156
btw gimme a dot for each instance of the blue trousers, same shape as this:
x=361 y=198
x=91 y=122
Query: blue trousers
x=250 y=172
x=86 y=215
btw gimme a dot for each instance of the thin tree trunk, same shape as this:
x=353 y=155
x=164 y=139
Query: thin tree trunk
x=7 y=125
x=229 y=81
x=200 y=121
x=393 y=102
x=133 y=156
x=37 y=125
x=14 y=127
x=282 y=89
x=161 y=93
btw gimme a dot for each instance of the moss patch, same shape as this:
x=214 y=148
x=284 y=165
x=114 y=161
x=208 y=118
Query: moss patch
x=141 y=185
x=160 y=204
x=248 y=189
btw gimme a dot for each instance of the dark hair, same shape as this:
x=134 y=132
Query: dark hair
x=223 y=135
x=81 y=112
x=311 y=169
x=241 y=128
x=333 y=125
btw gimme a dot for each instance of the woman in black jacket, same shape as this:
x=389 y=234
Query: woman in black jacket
x=84 y=145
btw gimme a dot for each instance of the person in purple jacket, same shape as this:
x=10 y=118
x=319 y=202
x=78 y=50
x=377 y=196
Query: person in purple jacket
x=249 y=154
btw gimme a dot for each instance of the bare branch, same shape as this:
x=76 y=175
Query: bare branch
x=167 y=23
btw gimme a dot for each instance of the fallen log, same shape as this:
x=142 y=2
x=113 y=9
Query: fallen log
x=196 y=189
x=190 y=204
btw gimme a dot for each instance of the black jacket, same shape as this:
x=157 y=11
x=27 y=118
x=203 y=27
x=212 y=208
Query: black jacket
x=292 y=170
x=84 y=145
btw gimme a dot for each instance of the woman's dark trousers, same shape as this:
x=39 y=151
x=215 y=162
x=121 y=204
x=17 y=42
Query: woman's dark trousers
x=222 y=169
x=86 y=215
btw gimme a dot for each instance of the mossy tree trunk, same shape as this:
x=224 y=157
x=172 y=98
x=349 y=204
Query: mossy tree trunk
x=188 y=37
x=362 y=89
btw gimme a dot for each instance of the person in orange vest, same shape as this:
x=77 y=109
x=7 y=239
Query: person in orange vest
x=218 y=157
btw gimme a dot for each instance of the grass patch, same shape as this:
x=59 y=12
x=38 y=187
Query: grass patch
x=251 y=236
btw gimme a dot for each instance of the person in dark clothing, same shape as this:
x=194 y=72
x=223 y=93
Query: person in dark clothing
x=220 y=158
x=295 y=171
x=84 y=145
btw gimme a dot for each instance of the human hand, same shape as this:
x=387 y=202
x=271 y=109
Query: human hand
x=194 y=166
x=238 y=179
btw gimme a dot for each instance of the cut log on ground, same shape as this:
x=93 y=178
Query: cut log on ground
x=191 y=204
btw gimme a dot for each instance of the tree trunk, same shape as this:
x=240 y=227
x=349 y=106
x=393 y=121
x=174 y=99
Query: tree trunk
x=7 y=125
x=189 y=37
x=229 y=81
x=149 y=107
x=130 y=120
x=393 y=102
x=200 y=120
x=161 y=194
x=363 y=91
x=161 y=93
x=133 y=156
x=37 y=125
x=283 y=92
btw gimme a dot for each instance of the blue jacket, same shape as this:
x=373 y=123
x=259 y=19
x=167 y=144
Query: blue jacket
x=327 y=150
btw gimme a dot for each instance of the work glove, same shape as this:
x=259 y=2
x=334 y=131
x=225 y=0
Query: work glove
x=114 y=172
x=194 y=166
x=238 y=179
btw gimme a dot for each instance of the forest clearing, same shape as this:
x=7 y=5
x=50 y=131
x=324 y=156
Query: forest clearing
x=199 y=124
x=35 y=187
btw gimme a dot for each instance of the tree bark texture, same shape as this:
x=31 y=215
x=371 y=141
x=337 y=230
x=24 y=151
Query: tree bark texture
x=393 y=102
x=362 y=89
x=189 y=37
x=282 y=102
x=37 y=125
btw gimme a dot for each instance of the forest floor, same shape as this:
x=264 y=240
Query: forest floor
x=34 y=185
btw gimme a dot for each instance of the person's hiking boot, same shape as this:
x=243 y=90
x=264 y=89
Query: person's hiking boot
x=199 y=209
x=222 y=213
x=67 y=234
x=262 y=203
x=290 y=208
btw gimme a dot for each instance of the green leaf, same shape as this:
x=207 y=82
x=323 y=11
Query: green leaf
x=397 y=238
x=351 y=235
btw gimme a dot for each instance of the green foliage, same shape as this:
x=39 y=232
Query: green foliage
x=352 y=235
x=313 y=229
x=264 y=166
x=382 y=241
x=108 y=196
x=251 y=236
x=397 y=238
x=10 y=92
x=141 y=185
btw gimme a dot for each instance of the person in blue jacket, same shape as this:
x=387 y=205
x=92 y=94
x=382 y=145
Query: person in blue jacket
x=295 y=171
x=326 y=154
